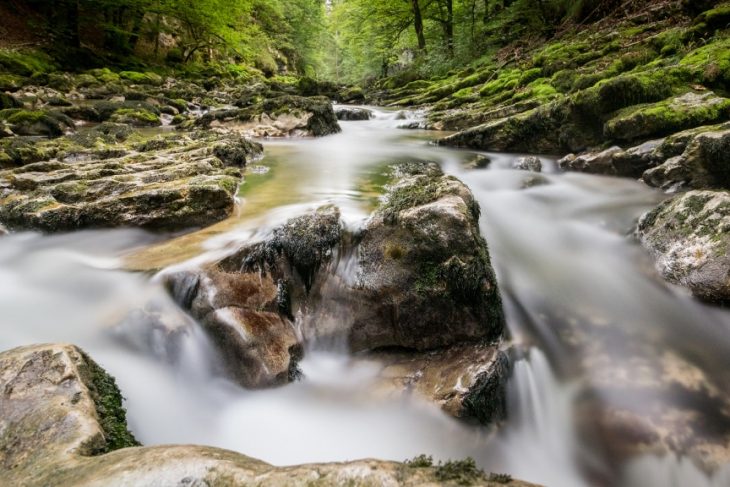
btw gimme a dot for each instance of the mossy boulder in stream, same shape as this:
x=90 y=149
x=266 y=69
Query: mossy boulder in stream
x=690 y=237
x=416 y=278
x=63 y=424
x=425 y=278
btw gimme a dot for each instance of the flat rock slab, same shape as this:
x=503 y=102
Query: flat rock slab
x=189 y=182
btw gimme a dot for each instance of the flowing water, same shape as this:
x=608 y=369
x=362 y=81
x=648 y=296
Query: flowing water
x=589 y=318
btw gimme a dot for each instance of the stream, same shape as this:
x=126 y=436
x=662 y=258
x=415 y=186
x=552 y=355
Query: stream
x=588 y=316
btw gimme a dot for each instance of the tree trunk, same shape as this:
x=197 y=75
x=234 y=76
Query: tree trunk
x=450 y=26
x=72 y=23
x=418 y=24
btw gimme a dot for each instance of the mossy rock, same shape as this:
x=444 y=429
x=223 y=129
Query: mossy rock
x=138 y=117
x=11 y=82
x=147 y=78
x=671 y=115
x=9 y=101
x=690 y=236
x=36 y=122
x=25 y=62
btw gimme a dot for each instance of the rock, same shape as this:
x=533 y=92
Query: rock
x=240 y=312
x=529 y=163
x=3 y=231
x=137 y=117
x=37 y=122
x=595 y=163
x=351 y=95
x=703 y=164
x=425 y=279
x=239 y=152
x=9 y=101
x=353 y=114
x=176 y=188
x=477 y=161
x=634 y=161
x=63 y=424
x=419 y=279
x=283 y=116
x=467 y=381
x=671 y=115
x=690 y=237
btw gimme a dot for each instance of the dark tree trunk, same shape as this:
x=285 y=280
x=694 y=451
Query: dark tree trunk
x=449 y=28
x=418 y=24
x=72 y=23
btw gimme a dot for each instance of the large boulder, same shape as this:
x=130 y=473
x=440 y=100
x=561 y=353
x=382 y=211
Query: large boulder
x=282 y=116
x=690 y=237
x=63 y=424
x=417 y=277
x=244 y=301
x=424 y=277
x=181 y=186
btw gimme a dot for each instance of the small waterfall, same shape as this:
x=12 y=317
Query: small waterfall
x=538 y=443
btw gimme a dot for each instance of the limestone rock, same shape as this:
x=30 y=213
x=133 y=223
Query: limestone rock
x=178 y=187
x=62 y=417
x=595 y=163
x=283 y=116
x=468 y=381
x=528 y=163
x=690 y=237
x=703 y=164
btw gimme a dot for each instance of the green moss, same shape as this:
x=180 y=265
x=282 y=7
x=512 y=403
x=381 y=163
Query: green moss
x=25 y=117
x=710 y=63
x=108 y=400
x=25 y=62
x=135 y=116
x=668 y=116
x=10 y=82
x=508 y=79
x=142 y=78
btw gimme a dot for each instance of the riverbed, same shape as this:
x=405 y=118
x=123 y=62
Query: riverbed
x=590 y=322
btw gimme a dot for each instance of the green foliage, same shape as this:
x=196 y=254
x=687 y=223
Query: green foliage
x=463 y=472
x=420 y=461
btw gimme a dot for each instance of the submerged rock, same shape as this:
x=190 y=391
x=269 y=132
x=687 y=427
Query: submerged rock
x=179 y=187
x=467 y=381
x=63 y=424
x=528 y=163
x=690 y=237
x=353 y=114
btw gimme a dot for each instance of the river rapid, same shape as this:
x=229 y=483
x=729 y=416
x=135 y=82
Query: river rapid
x=585 y=311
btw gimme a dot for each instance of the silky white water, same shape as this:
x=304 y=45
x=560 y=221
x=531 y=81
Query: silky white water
x=581 y=298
